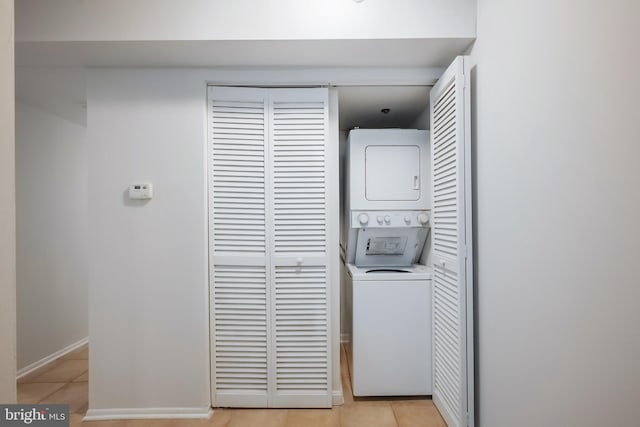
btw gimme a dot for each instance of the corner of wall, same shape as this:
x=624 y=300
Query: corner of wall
x=7 y=207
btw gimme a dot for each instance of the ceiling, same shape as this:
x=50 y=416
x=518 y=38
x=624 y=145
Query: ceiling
x=360 y=106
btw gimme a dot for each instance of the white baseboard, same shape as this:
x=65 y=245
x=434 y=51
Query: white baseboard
x=147 y=413
x=337 y=398
x=50 y=358
x=345 y=338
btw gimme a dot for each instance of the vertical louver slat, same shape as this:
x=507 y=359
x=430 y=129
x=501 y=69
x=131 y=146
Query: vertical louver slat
x=301 y=332
x=298 y=147
x=452 y=277
x=445 y=174
x=240 y=341
x=238 y=150
x=446 y=338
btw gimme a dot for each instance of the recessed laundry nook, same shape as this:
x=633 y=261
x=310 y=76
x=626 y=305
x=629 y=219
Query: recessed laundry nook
x=303 y=206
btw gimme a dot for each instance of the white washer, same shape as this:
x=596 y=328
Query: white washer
x=391 y=345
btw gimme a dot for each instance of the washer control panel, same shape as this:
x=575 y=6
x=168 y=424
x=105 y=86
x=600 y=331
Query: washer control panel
x=384 y=219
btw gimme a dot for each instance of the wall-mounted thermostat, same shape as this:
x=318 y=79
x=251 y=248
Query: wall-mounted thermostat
x=141 y=191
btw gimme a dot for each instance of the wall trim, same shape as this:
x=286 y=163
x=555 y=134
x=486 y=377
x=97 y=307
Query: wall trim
x=147 y=413
x=50 y=358
x=337 y=398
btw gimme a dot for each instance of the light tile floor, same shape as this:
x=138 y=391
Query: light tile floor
x=65 y=381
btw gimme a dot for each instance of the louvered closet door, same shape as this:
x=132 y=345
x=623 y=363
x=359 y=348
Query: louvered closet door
x=238 y=264
x=451 y=246
x=298 y=249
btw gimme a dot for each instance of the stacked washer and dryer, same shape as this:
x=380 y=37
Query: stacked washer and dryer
x=386 y=224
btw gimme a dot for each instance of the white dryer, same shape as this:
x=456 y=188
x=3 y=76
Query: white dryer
x=391 y=341
x=388 y=192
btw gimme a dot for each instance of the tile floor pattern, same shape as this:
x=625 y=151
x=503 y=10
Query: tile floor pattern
x=65 y=381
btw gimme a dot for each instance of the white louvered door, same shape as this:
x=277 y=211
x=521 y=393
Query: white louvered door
x=452 y=247
x=268 y=227
x=300 y=300
x=238 y=246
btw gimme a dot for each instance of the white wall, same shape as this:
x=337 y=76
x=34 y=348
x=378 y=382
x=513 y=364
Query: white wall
x=556 y=140
x=65 y=20
x=7 y=208
x=148 y=291
x=52 y=270
x=345 y=288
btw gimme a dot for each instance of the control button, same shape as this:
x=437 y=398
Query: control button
x=379 y=219
x=363 y=218
x=387 y=219
x=423 y=218
x=407 y=219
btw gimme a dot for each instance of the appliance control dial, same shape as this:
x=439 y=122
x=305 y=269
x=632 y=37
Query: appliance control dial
x=423 y=218
x=379 y=219
x=407 y=219
x=387 y=219
x=363 y=218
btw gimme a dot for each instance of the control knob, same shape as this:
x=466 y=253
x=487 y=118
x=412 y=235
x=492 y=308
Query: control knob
x=423 y=218
x=363 y=218
x=379 y=219
x=407 y=219
x=387 y=219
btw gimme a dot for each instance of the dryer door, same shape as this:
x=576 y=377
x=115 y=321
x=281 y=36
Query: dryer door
x=392 y=172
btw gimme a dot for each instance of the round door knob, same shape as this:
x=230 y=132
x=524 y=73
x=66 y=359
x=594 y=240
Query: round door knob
x=407 y=219
x=363 y=218
x=423 y=218
x=379 y=219
x=387 y=219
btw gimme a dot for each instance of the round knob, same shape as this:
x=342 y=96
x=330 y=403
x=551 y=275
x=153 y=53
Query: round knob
x=299 y=261
x=407 y=219
x=423 y=218
x=379 y=219
x=363 y=218
x=387 y=219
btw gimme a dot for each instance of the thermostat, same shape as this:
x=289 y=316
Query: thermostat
x=141 y=191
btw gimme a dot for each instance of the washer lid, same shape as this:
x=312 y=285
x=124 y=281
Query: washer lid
x=389 y=247
x=414 y=272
